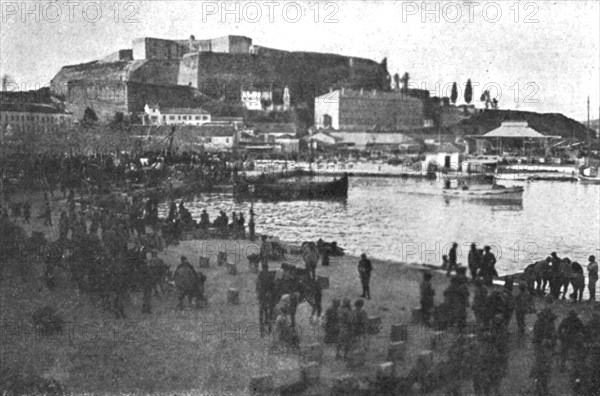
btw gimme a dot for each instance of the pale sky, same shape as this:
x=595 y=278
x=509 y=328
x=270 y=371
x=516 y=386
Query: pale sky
x=543 y=55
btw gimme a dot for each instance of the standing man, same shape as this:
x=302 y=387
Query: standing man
x=571 y=335
x=345 y=330
x=592 y=277
x=544 y=340
x=364 y=271
x=523 y=303
x=427 y=294
x=452 y=259
x=264 y=253
x=332 y=325
x=488 y=270
x=474 y=260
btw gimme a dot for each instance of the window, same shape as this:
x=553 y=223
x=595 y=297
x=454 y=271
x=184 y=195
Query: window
x=171 y=117
x=178 y=117
x=198 y=117
x=185 y=118
x=204 y=118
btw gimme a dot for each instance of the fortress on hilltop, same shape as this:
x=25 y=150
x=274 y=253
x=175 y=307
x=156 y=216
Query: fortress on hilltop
x=224 y=68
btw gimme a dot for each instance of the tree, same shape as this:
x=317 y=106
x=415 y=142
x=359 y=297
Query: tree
x=454 y=93
x=89 y=116
x=489 y=102
x=468 y=92
x=404 y=81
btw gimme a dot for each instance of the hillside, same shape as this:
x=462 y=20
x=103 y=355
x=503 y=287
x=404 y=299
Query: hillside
x=221 y=74
x=548 y=124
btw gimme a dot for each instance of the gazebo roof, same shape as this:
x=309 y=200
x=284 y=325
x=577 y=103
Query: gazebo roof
x=516 y=130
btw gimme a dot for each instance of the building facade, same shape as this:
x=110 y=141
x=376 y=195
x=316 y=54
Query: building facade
x=34 y=117
x=155 y=48
x=106 y=98
x=347 y=109
x=155 y=115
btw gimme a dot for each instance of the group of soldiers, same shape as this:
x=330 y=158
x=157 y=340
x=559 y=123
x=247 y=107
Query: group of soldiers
x=346 y=328
x=579 y=346
x=493 y=309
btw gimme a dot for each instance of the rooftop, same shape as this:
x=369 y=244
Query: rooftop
x=515 y=129
x=217 y=130
x=31 y=108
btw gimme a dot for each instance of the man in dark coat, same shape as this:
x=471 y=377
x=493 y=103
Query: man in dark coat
x=474 y=260
x=364 y=271
x=488 y=270
x=544 y=341
x=265 y=252
x=486 y=375
x=332 y=322
x=452 y=259
x=523 y=306
x=480 y=303
x=571 y=336
x=345 y=330
x=457 y=299
x=427 y=295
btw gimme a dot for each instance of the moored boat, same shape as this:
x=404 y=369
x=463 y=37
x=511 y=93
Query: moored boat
x=291 y=189
x=495 y=191
x=514 y=176
x=588 y=179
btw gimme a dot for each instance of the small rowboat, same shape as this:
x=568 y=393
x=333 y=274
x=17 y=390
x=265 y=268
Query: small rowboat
x=588 y=179
x=495 y=192
x=585 y=176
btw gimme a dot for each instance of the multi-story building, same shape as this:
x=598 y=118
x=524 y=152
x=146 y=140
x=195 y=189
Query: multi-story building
x=154 y=115
x=362 y=110
x=106 y=98
x=33 y=117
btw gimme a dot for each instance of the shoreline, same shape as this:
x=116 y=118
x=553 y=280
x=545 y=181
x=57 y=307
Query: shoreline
x=164 y=353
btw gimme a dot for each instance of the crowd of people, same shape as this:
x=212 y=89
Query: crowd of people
x=346 y=328
x=493 y=309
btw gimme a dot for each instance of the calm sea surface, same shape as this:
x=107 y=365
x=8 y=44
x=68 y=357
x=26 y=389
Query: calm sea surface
x=410 y=221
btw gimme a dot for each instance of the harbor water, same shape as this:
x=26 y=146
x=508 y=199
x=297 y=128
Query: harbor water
x=408 y=220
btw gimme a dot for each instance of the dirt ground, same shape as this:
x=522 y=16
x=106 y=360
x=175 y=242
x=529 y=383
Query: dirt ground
x=216 y=349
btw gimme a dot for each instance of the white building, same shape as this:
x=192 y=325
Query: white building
x=33 y=117
x=445 y=155
x=257 y=98
x=154 y=115
x=218 y=137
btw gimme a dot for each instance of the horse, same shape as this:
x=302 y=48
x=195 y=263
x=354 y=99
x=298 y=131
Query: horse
x=297 y=282
x=189 y=283
x=537 y=276
x=310 y=255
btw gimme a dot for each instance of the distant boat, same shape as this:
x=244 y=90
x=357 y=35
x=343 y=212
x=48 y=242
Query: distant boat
x=495 y=192
x=293 y=189
x=586 y=175
x=514 y=176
